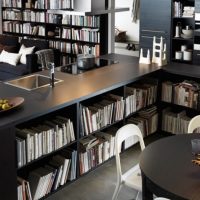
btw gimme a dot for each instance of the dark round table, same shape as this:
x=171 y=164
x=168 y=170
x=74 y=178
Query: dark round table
x=168 y=171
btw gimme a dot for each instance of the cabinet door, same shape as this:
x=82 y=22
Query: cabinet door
x=155 y=14
x=155 y=20
x=8 y=183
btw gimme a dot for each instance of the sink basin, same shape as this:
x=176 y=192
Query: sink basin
x=32 y=82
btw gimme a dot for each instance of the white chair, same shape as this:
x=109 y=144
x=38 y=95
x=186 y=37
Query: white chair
x=194 y=123
x=132 y=177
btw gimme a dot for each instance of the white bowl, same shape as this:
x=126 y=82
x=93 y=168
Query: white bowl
x=187 y=32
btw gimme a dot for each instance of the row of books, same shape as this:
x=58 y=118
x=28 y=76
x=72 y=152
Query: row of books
x=167 y=90
x=140 y=95
x=59 y=4
x=12 y=3
x=12 y=14
x=146 y=120
x=175 y=121
x=32 y=16
x=102 y=113
x=65 y=47
x=45 y=179
x=75 y=48
x=185 y=93
x=86 y=34
x=177 y=9
x=66 y=59
x=89 y=21
x=78 y=48
x=96 y=149
x=66 y=33
x=23 y=189
x=12 y=26
x=39 y=4
x=33 y=30
x=42 y=139
x=54 y=18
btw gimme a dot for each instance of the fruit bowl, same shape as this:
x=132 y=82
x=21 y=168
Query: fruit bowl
x=9 y=103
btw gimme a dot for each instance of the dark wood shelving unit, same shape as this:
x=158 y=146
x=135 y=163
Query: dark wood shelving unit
x=29 y=116
x=46 y=26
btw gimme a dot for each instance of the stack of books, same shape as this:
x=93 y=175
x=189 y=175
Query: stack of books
x=146 y=120
x=102 y=113
x=42 y=139
x=96 y=149
x=175 y=122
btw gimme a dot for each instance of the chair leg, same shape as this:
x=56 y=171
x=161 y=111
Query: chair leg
x=137 y=197
x=117 y=189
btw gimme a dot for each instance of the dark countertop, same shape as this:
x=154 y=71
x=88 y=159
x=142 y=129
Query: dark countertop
x=183 y=69
x=73 y=89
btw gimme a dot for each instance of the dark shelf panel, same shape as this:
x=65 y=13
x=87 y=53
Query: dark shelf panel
x=35 y=9
x=184 y=39
x=180 y=106
x=18 y=8
x=192 y=18
x=14 y=20
x=182 y=61
x=31 y=22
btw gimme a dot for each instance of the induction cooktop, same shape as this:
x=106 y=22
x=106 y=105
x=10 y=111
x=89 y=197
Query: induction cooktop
x=73 y=68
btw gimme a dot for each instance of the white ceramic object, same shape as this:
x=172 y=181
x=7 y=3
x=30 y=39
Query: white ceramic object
x=187 y=55
x=183 y=47
x=178 y=55
x=187 y=32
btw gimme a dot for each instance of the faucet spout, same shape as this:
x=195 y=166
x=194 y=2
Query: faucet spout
x=51 y=67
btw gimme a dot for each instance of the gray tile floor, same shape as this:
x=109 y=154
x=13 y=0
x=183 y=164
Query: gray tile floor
x=120 y=48
x=100 y=183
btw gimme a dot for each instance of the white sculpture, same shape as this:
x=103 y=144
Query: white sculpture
x=160 y=49
x=144 y=60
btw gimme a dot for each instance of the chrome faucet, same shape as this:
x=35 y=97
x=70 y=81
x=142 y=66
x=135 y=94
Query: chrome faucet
x=51 y=66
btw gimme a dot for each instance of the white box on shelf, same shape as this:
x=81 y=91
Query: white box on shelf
x=197 y=16
x=196 y=46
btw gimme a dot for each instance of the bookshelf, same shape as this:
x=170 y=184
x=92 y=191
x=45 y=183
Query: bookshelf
x=39 y=115
x=179 y=99
x=58 y=23
x=183 y=20
x=52 y=148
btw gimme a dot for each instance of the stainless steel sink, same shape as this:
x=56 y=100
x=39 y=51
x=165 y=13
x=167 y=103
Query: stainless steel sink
x=32 y=82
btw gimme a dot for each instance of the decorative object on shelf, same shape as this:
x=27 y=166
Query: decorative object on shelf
x=188 y=11
x=179 y=55
x=159 y=48
x=183 y=48
x=144 y=60
x=187 y=33
x=187 y=55
x=178 y=30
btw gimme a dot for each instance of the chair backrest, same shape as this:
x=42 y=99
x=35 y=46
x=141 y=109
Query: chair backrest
x=194 y=123
x=123 y=133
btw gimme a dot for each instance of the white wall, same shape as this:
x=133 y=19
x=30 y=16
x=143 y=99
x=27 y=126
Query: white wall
x=124 y=22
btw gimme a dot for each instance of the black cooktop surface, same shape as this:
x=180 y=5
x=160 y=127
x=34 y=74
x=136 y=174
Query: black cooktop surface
x=73 y=68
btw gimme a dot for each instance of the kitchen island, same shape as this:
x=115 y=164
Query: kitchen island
x=46 y=101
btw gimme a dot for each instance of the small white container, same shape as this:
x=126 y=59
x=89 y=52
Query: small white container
x=183 y=48
x=178 y=55
x=187 y=55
